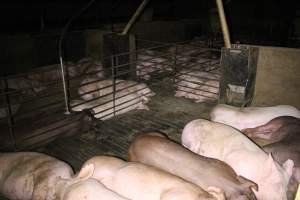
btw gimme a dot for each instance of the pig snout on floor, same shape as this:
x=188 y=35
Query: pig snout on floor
x=223 y=142
x=157 y=150
x=146 y=182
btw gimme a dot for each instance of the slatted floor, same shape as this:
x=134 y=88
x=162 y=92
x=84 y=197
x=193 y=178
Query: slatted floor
x=167 y=114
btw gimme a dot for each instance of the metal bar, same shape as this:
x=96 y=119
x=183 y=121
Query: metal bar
x=195 y=83
x=223 y=23
x=108 y=100
x=200 y=94
x=132 y=57
x=134 y=17
x=114 y=83
x=175 y=62
x=120 y=105
x=9 y=113
x=48 y=130
x=197 y=89
x=65 y=86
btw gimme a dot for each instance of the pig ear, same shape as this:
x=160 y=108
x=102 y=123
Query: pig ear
x=288 y=166
x=86 y=172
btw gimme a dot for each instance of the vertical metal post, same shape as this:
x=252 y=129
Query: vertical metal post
x=9 y=113
x=114 y=83
x=175 y=63
x=223 y=23
x=134 y=17
x=132 y=56
x=65 y=86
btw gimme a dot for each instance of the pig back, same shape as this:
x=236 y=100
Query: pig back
x=156 y=150
x=24 y=174
x=137 y=181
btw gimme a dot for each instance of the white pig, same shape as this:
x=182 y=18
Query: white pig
x=142 y=182
x=53 y=72
x=197 y=85
x=36 y=176
x=25 y=85
x=90 y=189
x=250 y=117
x=89 y=65
x=146 y=65
x=225 y=143
x=92 y=88
x=103 y=108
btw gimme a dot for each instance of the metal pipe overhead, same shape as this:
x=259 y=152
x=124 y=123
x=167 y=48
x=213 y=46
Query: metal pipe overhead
x=135 y=16
x=223 y=23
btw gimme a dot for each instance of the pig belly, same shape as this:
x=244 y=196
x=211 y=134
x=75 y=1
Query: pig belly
x=156 y=150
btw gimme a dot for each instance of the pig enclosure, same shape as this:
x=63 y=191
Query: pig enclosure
x=33 y=111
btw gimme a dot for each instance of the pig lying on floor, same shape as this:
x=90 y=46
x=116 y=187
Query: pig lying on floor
x=156 y=150
x=223 y=142
x=92 y=88
x=137 y=181
x=36 y=176
x=284 y=135
x=250 y=117
x=200 y=86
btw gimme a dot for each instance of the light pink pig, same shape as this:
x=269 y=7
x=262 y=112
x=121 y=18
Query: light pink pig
x=137 y=181
x=90 y=189
x=225 y=143
x=157 y=150
x=250 y=117
x=36 y=176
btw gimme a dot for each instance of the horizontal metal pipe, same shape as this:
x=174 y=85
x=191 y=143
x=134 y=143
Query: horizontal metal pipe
x=196 y=83
x=201 y=95
x=46 y=131
x=127 y=94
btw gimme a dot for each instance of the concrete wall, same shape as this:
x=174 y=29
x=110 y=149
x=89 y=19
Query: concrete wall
x=278 y=77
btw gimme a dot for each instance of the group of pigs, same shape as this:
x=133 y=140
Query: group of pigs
x=196 y=78
x=40 y=79
x=217 y=160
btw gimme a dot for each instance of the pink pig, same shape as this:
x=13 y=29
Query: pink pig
x=225 y=143
x=250 y=117
x=36 y=176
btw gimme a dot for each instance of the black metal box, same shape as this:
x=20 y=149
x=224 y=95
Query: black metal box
x=238 y=75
